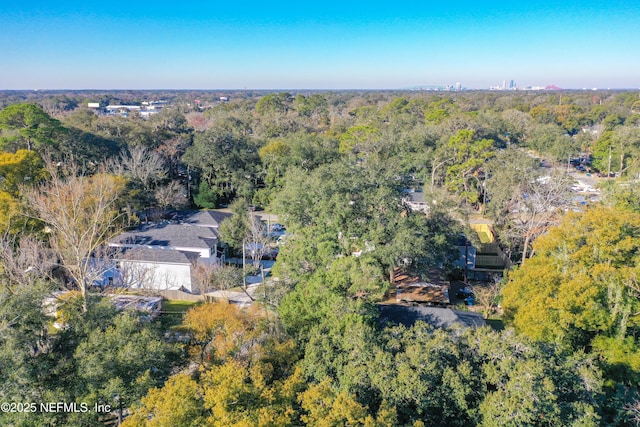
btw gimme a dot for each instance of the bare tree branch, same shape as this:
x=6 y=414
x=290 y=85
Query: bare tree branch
x=81 y=213
x=26 y=261
x=140 y=164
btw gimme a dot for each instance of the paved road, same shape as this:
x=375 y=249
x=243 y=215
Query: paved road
x=582 y=178
x=241 y=299
x=262 y=215
x=587 y=186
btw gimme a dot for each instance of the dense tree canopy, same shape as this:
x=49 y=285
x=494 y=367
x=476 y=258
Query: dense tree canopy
x=581 y=282
x=227 y=163
x=580 y=290
x=101 y=357
x=338 y=168
x=27 y=126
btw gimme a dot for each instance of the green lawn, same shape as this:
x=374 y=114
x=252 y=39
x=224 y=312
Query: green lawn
x=173 y=312
x=177 y=307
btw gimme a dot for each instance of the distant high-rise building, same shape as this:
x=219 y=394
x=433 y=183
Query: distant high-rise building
x=458 y=86
x=512 y=84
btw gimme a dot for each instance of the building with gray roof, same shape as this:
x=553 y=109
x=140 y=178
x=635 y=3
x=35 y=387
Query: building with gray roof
x=437 y=317
x=169 y=236
x=204 y=218
x=162 y=255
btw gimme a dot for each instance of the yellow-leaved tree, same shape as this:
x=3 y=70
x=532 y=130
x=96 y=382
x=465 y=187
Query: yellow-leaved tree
x=250 y=380
x=582 y=282
x=18 y=171
x=221 y=331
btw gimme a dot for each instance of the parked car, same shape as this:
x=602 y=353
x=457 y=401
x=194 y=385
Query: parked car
x=277 y=227
x=270 y=254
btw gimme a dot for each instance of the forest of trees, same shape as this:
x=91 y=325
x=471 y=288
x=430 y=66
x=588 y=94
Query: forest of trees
x=335 y=167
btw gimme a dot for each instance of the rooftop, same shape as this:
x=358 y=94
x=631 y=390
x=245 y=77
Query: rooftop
x=151 y=305
x=416 y=197
x=155 y=255
x=203 y=218
x=167 y=235
x=422 y=292
x=435 y=316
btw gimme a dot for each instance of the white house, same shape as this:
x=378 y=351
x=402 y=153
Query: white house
x=161 y=256
x=140 y=268
x=172 y=237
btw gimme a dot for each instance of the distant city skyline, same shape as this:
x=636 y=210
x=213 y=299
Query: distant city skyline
x=330 y=45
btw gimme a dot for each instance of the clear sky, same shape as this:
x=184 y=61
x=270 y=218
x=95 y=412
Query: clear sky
x=212 y=44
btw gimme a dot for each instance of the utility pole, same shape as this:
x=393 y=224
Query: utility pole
x=244 y=275
x=119 y=411
x=264 y=289
x=466 y=260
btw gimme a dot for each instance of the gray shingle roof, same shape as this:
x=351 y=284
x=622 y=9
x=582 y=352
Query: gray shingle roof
x=155 y=255
x=435 y=316
x=203 y=218
x=168 y=235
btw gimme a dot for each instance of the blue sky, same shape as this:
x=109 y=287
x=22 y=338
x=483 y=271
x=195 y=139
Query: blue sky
x=317 y=45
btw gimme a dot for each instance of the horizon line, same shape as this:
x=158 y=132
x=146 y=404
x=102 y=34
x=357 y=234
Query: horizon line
x=421 y=88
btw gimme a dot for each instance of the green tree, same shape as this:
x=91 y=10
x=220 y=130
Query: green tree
x=313 y=107
x=619 y=195
x=510 y=172
x=235 y=229
x=27 y=126
x=27 y=358
x=464 y=173
x=275 y=158
x=617 y=151
x=569 y=117
x=447 y=377
x=542 y=114
x=273 y=103
x=551 y=140
x=358 y=139
x=99 y=357
x=228 y=164
x=122 y=358
x=581 y=281
x=439 y=110
x=86 y=148
x=205 y=197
